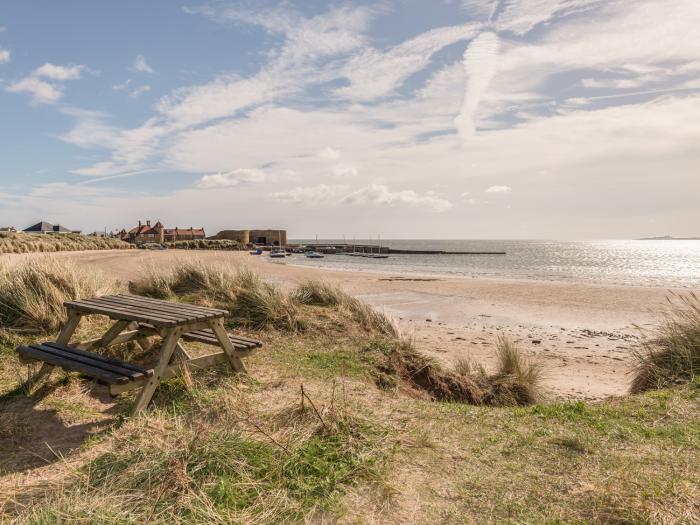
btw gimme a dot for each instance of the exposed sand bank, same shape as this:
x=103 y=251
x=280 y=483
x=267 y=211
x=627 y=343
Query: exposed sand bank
x=582 y=333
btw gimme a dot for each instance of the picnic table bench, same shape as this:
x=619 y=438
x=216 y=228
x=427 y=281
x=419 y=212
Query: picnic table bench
x=139 y=319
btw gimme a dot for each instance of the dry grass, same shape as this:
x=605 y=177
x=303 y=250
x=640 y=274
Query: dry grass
x=32 y=294
x=30 y=243
x=226 y=463
x=671 y=355
x=229 y=450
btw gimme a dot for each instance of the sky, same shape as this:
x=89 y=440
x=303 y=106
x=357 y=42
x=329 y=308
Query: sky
x=511 y=119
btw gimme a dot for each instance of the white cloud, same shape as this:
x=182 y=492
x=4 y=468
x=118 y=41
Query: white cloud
x=498 y=189
x=54 y=72
x=328 y=153
x=44 y=91
x=123 y=86
x=344 y=171
x=139 y=65
x=140 y=90
x=4 y=56
x=232 y=178
x=480 y=66
x=380 y=195
x=310 y=194
x=521 y=16
x=41 y=91
x=374 y=74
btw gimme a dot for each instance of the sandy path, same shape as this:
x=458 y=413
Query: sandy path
x=583 y=333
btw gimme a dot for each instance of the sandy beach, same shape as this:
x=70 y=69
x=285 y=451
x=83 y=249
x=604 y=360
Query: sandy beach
x=583 y=334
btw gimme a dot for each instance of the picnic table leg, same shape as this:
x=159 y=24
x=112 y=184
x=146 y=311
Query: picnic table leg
x=166 y=352
x=64 y=336
x=110 y=335
x=217 y=326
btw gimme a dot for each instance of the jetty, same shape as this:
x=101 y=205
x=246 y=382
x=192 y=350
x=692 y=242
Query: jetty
x=330 y=248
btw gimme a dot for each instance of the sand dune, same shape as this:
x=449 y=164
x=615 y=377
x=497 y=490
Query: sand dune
x=582 y=333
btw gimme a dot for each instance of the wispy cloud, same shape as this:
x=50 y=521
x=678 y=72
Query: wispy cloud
x=139 y=65
x=480 y=66
x=44 y=84
x=4 y=56
x=498 y=189
x=231 y=178
x=380 y=195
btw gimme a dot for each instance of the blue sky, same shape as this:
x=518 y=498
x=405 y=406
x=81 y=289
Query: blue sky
x=454 y=119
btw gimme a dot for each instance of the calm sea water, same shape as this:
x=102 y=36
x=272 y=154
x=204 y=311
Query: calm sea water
x=637 y=263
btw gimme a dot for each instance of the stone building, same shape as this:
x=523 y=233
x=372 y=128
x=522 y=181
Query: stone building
x=158 y=233
x=261 y=237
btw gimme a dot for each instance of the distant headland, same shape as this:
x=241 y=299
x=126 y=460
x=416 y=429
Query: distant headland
x=669 y=238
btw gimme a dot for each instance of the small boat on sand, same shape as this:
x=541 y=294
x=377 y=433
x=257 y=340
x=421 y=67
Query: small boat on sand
x=255 y=252
x=314 y=255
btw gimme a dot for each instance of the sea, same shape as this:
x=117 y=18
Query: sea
x=664 y=263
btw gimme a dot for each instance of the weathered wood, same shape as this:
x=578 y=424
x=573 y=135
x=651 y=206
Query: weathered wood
x=110 y=360
x=120 y=339
x=166 y=353
x=174 y=370
x=66 y=363
x=217 y=326
x=208 y=337
x=69 y=327
x=161 y=302
x=109 y=337
x=117 y=313
x=181 y=353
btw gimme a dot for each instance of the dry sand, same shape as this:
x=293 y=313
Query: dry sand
x=582 y=333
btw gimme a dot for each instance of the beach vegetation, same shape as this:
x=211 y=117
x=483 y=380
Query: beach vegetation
x=342 y=419
x=19 y=242
x=670 y=355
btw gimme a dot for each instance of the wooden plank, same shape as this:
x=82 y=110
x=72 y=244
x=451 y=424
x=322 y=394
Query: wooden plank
x=235 y=340
x=70 y=364
x=164 y=309
x=133 y=301
x=117 y=362
x=121 y=338
x=217 y=326
x=140 y=310
x=69 y=327
x=118 y=313
x=195 y=364
x=110 y=365
x=166 y=352
x=151 y=300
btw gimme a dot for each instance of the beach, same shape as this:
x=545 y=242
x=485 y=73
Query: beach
x=583 y=334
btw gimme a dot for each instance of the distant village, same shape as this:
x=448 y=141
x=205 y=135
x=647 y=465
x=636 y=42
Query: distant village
x=145 y=232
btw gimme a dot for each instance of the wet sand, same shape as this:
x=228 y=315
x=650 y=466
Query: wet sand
x=582 y=333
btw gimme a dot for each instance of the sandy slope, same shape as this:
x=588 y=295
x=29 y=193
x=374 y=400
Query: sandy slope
x=582 y=333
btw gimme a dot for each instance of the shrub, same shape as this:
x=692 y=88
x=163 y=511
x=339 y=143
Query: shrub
x=671 y=355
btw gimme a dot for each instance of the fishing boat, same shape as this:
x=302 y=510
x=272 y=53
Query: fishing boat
x=277 y=253
x=255 y=252
x=314 y=255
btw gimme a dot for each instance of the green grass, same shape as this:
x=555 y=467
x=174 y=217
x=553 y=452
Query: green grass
x=172 y=469
x=374 y=435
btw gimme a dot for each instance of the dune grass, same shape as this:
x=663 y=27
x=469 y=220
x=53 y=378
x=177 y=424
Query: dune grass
x=30 y=243
x=671 y=354
x=32 y=294
x=340 y=425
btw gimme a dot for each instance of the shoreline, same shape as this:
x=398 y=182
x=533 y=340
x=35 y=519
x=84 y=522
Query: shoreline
x=584 y=334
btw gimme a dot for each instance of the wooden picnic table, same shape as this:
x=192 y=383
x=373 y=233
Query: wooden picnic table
x=138 y=319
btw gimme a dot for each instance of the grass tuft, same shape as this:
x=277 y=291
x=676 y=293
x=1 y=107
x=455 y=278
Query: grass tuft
x=32 y=294
x=671 y=356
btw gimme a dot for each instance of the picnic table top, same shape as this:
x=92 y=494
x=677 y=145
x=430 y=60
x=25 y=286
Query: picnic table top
x=159 y=313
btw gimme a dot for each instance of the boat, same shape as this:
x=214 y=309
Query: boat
x=256 y=252
x=314 y=255
x=379 y=254
x=278 y=253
